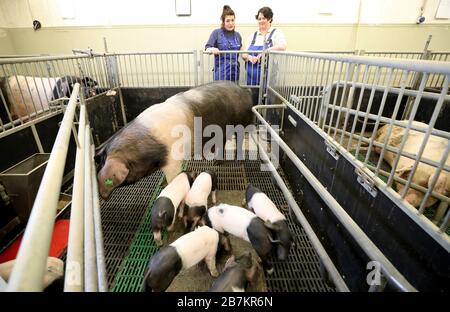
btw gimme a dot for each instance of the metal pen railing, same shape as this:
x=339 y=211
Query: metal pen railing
x=394 y=277
x=28 y=272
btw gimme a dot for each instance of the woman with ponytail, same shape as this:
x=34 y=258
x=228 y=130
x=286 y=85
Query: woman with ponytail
x=225 y=38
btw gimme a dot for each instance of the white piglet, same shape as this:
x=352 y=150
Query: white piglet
x=185 y=252
x=164 y=210
x=244 y=224
x=196 y=202
x=265 y=209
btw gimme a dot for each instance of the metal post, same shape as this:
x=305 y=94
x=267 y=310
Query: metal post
x=74 y=277
x=90 y=259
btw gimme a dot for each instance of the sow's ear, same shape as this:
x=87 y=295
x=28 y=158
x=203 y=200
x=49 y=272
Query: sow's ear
x=100 y=156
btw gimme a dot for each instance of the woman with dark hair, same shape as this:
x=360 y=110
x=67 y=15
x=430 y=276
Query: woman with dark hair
x=265 y=38
x=226 y=65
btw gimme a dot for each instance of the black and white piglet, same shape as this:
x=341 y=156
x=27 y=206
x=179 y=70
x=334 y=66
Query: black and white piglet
x=185 y=252
x=170 y=200
x=244 y=224
x=263 y=207
x=196 y=202
x=236 y=274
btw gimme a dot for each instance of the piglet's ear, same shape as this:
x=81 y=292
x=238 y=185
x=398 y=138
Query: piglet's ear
x=271 y=226
x=230 y=262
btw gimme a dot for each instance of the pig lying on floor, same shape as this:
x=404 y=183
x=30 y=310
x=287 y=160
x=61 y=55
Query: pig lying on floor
x=424 y=173
x=148 y=142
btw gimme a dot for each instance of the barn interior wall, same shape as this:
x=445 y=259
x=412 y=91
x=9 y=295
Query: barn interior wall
x=193 y=37
x=136 y=25
x=6 y=44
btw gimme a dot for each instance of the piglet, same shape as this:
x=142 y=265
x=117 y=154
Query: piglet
x=185 y=252
x=244 y=224
x=263 y=207
x=54 y=271
x=236 y=274
x=196 y=201
x=170 y=199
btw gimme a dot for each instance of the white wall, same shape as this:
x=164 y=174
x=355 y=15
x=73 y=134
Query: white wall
x=20 y=13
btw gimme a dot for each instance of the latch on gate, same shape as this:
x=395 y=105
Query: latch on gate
x=366 y=182
x=332 y=150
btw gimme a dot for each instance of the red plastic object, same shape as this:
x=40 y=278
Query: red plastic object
x=58 y=244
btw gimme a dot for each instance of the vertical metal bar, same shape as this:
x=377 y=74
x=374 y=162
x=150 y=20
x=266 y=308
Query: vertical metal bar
x=21 y=92
x=194 y=55
x=36 y=138
x=74 y=276
x=5 y=105
x=369 y=106
x=358 y=106
x=380 y=113
x=407 y=129
x=343 y=98
x=100 y=252
x=434 y=179
x=336 y=92
x=326 y=89
x=428 y=132
x=90 y=259
x=37 y=88
x=393 y=117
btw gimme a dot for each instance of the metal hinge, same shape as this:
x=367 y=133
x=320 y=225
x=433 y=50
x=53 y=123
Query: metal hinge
x=366 y=182
x=332 y=150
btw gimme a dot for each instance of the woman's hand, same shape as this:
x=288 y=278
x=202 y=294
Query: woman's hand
x=254 y=59
x=214 y=51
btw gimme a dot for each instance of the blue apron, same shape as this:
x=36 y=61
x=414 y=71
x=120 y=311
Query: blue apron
x=254 y=70
x=226 y=65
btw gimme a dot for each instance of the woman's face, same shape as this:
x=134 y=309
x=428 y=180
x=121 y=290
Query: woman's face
x=229 y=22
x=263 y=22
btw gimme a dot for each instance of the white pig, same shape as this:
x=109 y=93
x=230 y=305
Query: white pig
x=423 y=175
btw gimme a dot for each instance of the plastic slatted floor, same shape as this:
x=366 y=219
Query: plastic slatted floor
x=129 y=242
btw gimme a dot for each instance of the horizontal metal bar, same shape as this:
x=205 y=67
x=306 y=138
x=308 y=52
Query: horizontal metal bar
x=395 y=90
x=29 y=123
x=437 y=132
x=372 y=251
x=151 y=53
x=315 y=241
x=412 y=65
x=40 y=59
